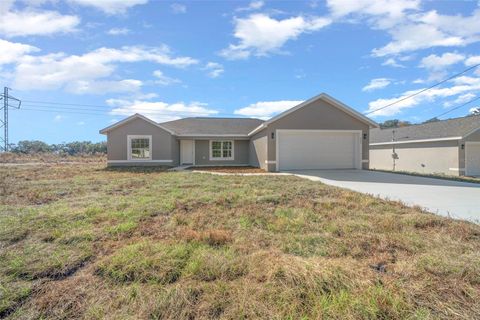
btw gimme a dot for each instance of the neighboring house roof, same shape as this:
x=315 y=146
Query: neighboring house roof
x=206 y=126
x=132 y=117
x=327 y=98
x=452 y=129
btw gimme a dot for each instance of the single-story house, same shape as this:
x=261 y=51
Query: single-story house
x=320 y=133
x=450 y=147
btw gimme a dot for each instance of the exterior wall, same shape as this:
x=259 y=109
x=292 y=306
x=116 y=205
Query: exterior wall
x=163 y=143
x=474 y=137
x=428 y=157
x=319 y=115
x=240 y=153
x=258 y=150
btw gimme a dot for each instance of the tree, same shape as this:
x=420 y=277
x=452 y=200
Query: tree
x=395 y=123
x=431 y=120
x=475 y=111
x=71 y=148
x=31 y=146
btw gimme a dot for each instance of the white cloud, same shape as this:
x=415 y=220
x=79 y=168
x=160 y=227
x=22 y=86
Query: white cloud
x=90 y=72
x=58 y=118
x=254 y=5
x=386 y=12
x=178 y=8
x=32 y=21
x=160 y=111
x=118 y=31
x=410 y=28
x=377 y=83
x=13 y=51
x=472 y=60
x=163 y=79
x=214 y=69
x=475 y=111
x=266 y=109
x=80 y=123
x=391 y=62
x=103 y=86
x=461 y=99
x=259 y=34
x=110 y=7
x=413 y=37
x=434 y=62
x=461 y=86
x=437 y=65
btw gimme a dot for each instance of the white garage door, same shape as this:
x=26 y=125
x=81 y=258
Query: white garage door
x=317 y=149
x=472 y=159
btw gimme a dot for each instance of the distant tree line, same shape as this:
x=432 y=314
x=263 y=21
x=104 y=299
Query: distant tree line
x=396 y=123
x=70 y=148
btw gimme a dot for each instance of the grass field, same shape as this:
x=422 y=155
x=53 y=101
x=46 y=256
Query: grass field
x=81 y=241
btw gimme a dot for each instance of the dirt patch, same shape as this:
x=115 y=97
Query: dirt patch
x=239 y=169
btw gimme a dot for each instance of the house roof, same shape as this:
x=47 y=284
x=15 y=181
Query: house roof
x=327 y=98
x=452 y=129
x=203 y=126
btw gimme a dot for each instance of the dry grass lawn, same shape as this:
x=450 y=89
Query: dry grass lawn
x=85 y=242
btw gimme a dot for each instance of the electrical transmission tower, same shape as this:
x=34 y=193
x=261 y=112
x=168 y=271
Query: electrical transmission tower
x=6 y=99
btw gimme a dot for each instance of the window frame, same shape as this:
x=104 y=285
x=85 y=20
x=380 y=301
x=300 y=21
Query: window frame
x=222 y=158
x=129 y=147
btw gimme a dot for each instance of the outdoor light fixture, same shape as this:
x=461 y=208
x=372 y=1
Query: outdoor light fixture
x=273 y=135
x=463 y=146
x=364 y=136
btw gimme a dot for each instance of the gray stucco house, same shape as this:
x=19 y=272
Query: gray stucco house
x=450 y=147
x=320 y=133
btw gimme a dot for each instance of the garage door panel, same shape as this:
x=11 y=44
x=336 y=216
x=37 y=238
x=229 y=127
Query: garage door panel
x=317 y=150
x=472 y=159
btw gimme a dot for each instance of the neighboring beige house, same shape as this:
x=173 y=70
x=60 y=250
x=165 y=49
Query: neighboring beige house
x=450 y=147
x=320 y=133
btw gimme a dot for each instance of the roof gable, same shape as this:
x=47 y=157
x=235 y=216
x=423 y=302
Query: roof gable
x=325 y=97
x=133 y=117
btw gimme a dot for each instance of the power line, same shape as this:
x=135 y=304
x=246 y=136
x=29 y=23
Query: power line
x=73 y=112
x=67 y=104
x=423 y=90
x=151 y=111
x=458 y=107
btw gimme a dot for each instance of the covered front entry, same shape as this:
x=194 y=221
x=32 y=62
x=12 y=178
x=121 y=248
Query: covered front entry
x=318 y=149
x=472 y=159
x=187 y=152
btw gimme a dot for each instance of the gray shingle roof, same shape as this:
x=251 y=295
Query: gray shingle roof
x=458 y=127
x=212 y=126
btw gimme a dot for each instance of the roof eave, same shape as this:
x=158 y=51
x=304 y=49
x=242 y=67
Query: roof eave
x=415 y=141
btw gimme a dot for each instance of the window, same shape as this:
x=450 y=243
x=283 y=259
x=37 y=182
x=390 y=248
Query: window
x=140 y=147
x=221 y=150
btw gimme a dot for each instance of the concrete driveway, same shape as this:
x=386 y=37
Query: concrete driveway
x=449 y=198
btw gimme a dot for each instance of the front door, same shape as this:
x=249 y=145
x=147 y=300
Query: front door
x=187 y=149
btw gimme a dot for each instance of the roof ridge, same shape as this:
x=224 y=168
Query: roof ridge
x=431 y=123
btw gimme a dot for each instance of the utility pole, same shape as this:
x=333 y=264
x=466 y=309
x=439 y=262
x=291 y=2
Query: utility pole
x=394 y=154
x=4 y=122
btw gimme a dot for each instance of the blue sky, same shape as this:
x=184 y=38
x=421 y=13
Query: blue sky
x=172 y=59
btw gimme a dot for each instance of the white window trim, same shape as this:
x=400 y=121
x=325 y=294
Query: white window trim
x=129 y=147
x=211 y=158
